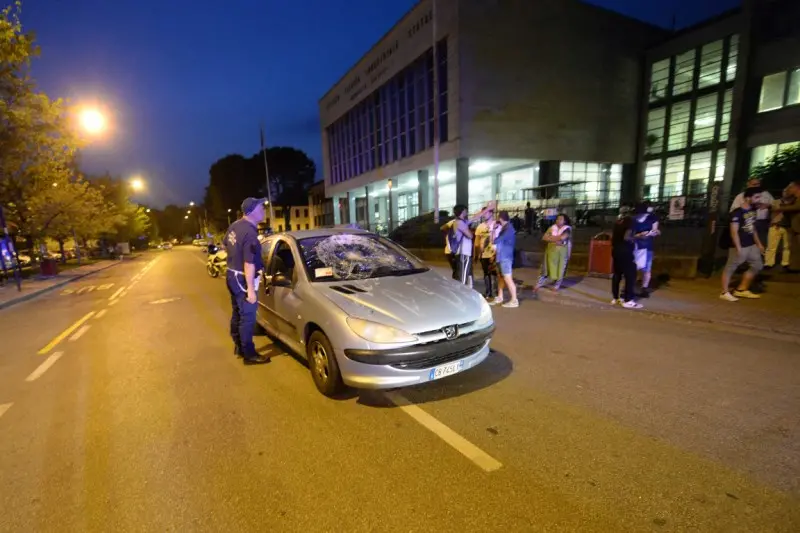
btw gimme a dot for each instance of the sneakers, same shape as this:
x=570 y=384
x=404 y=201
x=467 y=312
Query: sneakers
x=746 y=294
x=631 y=304
x=616 y=301
x=727 y=296
x=511 y=304
x=497 y=301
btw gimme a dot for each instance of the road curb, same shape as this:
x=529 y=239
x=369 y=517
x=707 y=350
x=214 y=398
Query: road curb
x=32 y=295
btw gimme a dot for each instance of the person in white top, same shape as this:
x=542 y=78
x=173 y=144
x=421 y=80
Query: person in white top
x=762 y=201
x=460 y=238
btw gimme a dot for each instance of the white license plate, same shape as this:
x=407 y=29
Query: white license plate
x=446 y=370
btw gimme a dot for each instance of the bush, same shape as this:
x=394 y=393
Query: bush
x=780 y=169
x=421 y=231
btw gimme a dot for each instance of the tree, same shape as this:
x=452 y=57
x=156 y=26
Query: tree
x=234 y=177
x=38 y=179
x=779 y=170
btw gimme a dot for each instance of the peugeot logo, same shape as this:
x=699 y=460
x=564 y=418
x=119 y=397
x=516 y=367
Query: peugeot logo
x=450 y=332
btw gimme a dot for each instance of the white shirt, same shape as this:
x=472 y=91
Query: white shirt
x=763 y=197
x=466 y=242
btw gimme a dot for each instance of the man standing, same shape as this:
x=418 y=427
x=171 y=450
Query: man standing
x=792 y=211
x=779 y=232
x=244 y=264
x=461 y=244
x=645 y=229
x=484 y=248
x=762 y=202
x=747 y=248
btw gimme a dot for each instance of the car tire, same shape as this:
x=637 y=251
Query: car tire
x=323 y=365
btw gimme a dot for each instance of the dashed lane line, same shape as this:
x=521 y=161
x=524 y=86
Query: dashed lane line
x=100 y=313
x=5 y=407
x=50 y=361
x=79 y=333
x=66 y=333
x=462 y=445
x=113 y=296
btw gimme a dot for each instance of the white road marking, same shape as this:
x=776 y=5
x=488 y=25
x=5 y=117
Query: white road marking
x=100 y=313
x=462 y=445
x=124 y=293
x=50 y=361
x=112 y=303
x=5 y=407
x=79 y=333
x=165 y=300
x=117 y=293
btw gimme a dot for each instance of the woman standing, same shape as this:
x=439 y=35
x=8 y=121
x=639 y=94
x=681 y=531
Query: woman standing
x=622 y=247
x=504 y=242
x=556 y=255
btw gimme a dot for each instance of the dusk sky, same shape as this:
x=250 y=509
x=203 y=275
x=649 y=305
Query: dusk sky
x=189 y=81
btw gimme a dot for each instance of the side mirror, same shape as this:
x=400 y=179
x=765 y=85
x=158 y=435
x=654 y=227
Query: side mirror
x=280 y=280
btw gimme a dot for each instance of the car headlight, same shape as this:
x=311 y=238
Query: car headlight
x=378 y=333
x=486 y=317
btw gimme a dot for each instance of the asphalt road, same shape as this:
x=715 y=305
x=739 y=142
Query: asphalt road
x=140 y=418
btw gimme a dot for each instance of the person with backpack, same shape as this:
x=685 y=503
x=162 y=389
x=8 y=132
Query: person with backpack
x=460 y=240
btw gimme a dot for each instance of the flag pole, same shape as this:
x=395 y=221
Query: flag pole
x=266 y=174
x=435 y=121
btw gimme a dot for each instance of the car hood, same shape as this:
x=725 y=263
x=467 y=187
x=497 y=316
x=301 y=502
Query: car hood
x=415 y=303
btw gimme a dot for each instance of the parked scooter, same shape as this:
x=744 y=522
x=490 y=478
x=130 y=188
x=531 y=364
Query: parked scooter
x=217 y=262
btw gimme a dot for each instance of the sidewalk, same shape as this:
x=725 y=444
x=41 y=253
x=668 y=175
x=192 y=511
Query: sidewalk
x=33 y=287
x=778 y=310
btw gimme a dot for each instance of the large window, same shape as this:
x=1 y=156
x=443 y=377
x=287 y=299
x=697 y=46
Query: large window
x=762 y=154
x=710 y=64
x=673 y=176
x=513 y=184
x=727 y=105
x=652 y=180
x=733 y=58
x=684 y=73
x=705 y=118
x=719 y=173
x=780 y=90
x=591 y=182
x=679 y=126
x=394 y=122
x=659 y=79
x=699 y=173
x=656 y=120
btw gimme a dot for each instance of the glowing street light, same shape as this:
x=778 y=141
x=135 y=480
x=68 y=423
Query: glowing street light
x=229 y=210
x=186 y=217
x=137 y=184
x=189 y=212
x=147 y=211
x=92 y=120
x=191 y=204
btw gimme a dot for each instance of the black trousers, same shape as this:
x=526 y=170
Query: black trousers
x=451 y=258
x=489 y=277
x=624 y=267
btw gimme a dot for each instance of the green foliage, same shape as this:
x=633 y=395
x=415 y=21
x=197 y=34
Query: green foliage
x=782 y=168
x=234 y=177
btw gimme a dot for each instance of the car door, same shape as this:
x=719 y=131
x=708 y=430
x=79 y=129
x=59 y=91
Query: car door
x=265 y=298
x=278 y=288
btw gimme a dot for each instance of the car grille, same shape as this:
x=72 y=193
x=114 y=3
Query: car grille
x=431 y=362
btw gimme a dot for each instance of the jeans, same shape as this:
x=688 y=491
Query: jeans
x=624 y=267
x=243 y=316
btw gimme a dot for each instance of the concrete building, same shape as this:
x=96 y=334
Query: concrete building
x=530 y=95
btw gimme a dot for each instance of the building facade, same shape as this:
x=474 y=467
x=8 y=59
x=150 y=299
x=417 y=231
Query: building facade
x=526 y=100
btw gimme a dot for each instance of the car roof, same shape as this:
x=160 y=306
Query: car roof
x=323 y=232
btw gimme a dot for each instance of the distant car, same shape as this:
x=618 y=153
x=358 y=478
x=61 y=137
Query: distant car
x=166 y=246
x=366 y=313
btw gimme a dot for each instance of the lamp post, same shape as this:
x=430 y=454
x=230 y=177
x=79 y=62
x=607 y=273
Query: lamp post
x=229 y=217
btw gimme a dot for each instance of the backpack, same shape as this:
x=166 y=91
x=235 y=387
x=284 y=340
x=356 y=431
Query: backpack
x=454 y=240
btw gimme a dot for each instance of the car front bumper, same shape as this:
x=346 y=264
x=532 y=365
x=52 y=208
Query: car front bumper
x=411 y=365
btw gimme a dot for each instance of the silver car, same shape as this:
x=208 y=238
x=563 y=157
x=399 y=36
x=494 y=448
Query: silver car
x=366 y=313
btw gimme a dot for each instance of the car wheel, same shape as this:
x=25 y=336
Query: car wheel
x=323 y=365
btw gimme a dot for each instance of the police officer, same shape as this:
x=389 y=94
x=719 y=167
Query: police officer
x=244 y=263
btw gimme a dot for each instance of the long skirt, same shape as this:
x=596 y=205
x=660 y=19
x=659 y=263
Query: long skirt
x=554 y=264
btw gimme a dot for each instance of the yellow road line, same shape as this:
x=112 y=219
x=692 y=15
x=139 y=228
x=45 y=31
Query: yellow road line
x=66 y=333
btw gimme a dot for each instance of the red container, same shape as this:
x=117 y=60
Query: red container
x=600 y=262
x=49 y=267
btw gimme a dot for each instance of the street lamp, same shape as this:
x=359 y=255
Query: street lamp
x=229 y=217
x=191 y=204
x=186 y=217
x=137 y=184
x=92 y=121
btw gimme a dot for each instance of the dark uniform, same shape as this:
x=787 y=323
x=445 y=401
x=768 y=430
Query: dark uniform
x=242 y=246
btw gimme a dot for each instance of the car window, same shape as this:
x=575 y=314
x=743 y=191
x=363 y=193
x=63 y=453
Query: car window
x=282 y=260
x=349 y=256
x=266 y=248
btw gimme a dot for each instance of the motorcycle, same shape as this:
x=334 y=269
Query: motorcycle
x=217 y=263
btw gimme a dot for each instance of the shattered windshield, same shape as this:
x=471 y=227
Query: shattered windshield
x=350 y=257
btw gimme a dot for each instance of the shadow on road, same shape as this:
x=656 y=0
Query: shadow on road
x=493 y=370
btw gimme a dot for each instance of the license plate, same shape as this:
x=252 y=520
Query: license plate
x=446 y=370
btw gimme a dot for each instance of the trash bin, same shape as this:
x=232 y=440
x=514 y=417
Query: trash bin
x=600 y=262
x=49 y=267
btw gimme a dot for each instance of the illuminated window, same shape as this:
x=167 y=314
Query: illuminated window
x=719 y=173
x=793 y=93
x=705 y=118
x=733 y=58
x=684 y=73
x=726 y=115
x=710 y=65
x=592 y=182
x=656 y=121
x=679 y=126
x=762 y=154
x=659 y=79
x=773 y=89
x=699 y=173
x=673 y=176
x=652 y=180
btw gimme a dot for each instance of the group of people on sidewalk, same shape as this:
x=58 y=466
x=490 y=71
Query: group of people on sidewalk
x=757 y=218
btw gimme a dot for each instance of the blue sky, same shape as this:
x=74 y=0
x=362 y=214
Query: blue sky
x=189 y=81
